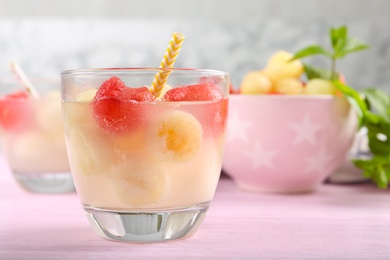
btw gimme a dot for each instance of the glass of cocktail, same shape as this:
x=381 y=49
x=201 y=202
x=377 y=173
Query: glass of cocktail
x=145 y=167
x=32 y=134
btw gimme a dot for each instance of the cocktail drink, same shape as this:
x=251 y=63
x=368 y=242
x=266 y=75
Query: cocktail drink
x=145 y=167
x=32 y=139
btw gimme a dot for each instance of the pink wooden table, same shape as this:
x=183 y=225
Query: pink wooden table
x=336 y=222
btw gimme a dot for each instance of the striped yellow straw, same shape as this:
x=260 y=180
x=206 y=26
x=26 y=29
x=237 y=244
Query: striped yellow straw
x=167 y=62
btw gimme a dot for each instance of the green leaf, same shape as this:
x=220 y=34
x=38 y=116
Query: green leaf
x=311 y=51
x=378 y=134
x=386 y=181
x=314 y=73
x=367 y=165
x=381 y=180
x=379 y=101
x=377 y=168
x=349 y=45
x=354 y=98
x=359 y=163
x=378 y=145
x=337 y=35
x=372 y=119
x=367 y=174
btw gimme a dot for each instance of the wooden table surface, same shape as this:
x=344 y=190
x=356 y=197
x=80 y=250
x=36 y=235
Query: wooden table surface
x=335 y=222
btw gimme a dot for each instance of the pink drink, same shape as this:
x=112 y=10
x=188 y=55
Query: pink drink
x=159 y=157
x=32 y=137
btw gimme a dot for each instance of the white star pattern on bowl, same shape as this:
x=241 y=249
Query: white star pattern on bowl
x=305 y=130
x=240 y=129
x=317 y=162
x=260 y=157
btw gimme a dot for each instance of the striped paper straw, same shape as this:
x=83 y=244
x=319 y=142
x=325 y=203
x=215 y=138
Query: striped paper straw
x=24 y=80
x=167 y=62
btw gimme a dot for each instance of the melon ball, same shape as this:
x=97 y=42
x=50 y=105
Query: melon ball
x=290 y=86
x=139 y=183
x=279 y=67
x=178 y=136
x=255 y=82
x=86 y=95
x=320 y=86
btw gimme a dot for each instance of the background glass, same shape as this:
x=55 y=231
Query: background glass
x=32 y=138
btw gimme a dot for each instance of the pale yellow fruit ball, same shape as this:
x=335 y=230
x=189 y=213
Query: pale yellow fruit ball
x=255 y=82
x=279 y=67
x=87 y=95
x=290 y=86
x=320 y=86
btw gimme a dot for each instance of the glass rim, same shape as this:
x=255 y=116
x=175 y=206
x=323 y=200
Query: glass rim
x=107 y=71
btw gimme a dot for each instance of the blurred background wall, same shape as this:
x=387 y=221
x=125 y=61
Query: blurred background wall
x=48 y=36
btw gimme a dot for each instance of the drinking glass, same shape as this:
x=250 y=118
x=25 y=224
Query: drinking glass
x=32 y=137
x=145 y=166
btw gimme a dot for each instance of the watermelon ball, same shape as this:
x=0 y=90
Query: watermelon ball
x=213 y=115
x=198 y=92
x=117 y=109
x=15 y=111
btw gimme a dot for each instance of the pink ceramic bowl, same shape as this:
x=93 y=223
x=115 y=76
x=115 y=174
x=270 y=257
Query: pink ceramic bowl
x=283 y=143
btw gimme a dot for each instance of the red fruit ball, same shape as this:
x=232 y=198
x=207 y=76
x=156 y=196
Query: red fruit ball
x=198 y=92
x=15 y=111
x=117 y=109
x=214 y=119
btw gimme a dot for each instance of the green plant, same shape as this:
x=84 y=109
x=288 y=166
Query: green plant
x=371 y=104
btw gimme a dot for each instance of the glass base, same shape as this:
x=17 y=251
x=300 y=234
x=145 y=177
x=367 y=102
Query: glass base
x=46 y=182
x=153 y=226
